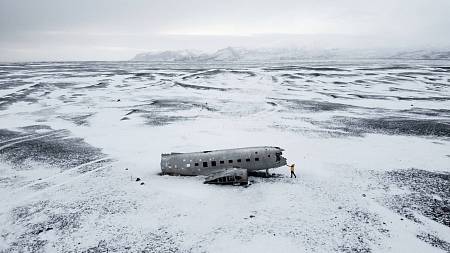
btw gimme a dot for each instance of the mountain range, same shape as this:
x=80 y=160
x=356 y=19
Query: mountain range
x=243 y=54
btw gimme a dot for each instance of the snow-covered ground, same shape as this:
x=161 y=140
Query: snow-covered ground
x=371 y=141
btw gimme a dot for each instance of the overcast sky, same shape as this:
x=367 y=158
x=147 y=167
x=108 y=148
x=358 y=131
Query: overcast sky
x=118 y=29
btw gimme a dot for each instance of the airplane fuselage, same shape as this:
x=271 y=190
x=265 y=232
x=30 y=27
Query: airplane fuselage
x=208 y=162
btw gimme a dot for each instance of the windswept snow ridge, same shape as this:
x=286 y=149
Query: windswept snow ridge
x=371 y=140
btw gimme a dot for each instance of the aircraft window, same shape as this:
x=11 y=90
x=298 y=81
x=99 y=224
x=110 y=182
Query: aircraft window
x=213 y=163
x=239 y=160
x=256 y=152
x=247 y=160
x=222 y=162
x=256 y=158
x=188 y=165
x=230 y=161
x=205 y=164
x=278 y=157
x=196 y=164
x=268 y=155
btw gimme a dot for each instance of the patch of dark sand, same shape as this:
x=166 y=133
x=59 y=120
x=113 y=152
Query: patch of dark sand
x=387 y=125
x=53 y=147
x=426 y=192
x=434 y=241
x=79 y=120
x=200 y=87
x=422 y=191
x=162 y=120
x=312 y=105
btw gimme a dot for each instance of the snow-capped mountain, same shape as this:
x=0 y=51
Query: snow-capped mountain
x=229 y=54
x=424 y=54
x=179 y=55
x=268 y=54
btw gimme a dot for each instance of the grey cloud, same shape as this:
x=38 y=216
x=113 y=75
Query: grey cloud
x=33 y=29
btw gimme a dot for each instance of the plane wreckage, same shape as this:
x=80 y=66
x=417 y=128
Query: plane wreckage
x=227 y=166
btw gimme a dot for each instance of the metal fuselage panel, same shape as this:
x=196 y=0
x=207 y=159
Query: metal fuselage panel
x=207 y=162
x=228 y=176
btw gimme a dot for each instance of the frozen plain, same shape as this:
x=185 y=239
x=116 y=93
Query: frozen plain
x=371 y=140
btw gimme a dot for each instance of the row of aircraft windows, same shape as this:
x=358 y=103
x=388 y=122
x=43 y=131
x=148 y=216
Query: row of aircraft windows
x=214 y=163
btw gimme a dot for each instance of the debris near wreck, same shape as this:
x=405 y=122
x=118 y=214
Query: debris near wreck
x=229 y=176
